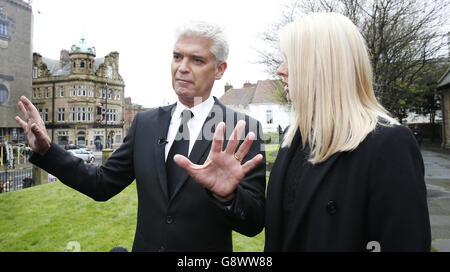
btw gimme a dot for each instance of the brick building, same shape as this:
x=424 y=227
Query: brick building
x=130 y=111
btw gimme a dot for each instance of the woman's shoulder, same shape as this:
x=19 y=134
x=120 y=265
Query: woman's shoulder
x=387 y=136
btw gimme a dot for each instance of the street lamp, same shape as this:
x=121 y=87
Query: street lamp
x=106 y=106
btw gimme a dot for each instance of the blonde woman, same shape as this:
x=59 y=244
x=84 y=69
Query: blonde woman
x=347 y=177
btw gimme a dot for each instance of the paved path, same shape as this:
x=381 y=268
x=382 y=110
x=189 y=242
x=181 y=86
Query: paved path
x=437 y=178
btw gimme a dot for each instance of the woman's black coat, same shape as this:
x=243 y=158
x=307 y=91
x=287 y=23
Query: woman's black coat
x=373 y=195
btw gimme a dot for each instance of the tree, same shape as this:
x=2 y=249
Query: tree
x=279 y=95
x=402 y=37
x=427 y=98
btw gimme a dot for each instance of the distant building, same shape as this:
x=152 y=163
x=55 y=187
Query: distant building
x=444 y=87
x=130 y=111
x=15 y=63
x=70 y=94
x=257 y=101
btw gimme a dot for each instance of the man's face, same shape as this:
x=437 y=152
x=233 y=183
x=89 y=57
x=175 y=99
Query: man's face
x=193 y=71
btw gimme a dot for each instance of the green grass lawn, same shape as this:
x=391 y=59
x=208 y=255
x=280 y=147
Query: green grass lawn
x=48 y=217
x=271 y=152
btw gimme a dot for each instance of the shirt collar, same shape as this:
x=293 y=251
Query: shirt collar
x=200 y=111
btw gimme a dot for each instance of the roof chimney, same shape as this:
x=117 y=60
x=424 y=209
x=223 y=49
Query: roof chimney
x=63 y=58
x=228 y=86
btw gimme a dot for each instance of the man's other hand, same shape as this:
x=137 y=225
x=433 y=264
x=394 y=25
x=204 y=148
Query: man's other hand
x=33 y=126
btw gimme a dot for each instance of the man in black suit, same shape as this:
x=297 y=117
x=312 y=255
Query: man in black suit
x=177 y=211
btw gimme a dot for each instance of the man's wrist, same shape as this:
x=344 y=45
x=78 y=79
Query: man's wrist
x=224 y=199
x=45 y=149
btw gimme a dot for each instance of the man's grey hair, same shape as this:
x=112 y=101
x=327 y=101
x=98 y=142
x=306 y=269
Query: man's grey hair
x=207 y=30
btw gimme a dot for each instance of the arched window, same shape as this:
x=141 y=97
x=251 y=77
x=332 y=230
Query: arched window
x=82 y=64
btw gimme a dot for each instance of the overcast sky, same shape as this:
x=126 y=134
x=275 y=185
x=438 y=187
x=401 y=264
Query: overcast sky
x=143 y=33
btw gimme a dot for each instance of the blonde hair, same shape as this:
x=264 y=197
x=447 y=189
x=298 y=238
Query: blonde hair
x=330 y=85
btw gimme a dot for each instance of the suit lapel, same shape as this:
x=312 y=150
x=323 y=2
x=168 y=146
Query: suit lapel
x=164 y=116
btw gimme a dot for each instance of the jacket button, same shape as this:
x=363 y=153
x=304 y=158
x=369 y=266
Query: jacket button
x=169 y=219
x=331 y=207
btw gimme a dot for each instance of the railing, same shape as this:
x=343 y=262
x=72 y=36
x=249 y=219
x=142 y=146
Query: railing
x=15 y=179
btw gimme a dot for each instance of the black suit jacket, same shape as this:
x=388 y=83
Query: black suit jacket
x=191 y=220
x=373 y=193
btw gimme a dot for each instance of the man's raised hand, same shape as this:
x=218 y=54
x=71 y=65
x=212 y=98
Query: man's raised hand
x=33 y=126
x=222 y=171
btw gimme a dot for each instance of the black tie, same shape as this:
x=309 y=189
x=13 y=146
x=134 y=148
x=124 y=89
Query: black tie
x=180 y=146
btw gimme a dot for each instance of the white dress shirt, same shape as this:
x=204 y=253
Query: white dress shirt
x=195 y=124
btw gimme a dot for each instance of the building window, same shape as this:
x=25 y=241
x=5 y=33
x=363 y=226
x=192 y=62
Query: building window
x=63 y=137
x=61 y=114
x=118 y=138
x=3 y=94
x=111 y=115
x=46 y=115
x=82 y=64
x=46 y=92
x=35 y=72
x=61 y=91
x=81 y=138
x=269 y=116
x=81 y=114
x=4 y=26
x=72 y=115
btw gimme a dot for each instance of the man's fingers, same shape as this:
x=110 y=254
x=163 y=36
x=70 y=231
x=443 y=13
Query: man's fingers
x=252 y=163
x=21 y=123
x=235 y=137
x=245 y=146
x=31 y=109
x=23 y=110
x=217 y=143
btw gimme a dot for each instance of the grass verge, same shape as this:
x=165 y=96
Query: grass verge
x=50 y=217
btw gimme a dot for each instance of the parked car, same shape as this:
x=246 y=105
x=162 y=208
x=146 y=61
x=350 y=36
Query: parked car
x=71 y=146
x=83 y=154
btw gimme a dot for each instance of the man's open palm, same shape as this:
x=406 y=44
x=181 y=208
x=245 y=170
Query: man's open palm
x=222 y=171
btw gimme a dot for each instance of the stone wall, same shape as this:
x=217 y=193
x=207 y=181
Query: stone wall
x=15 y=59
